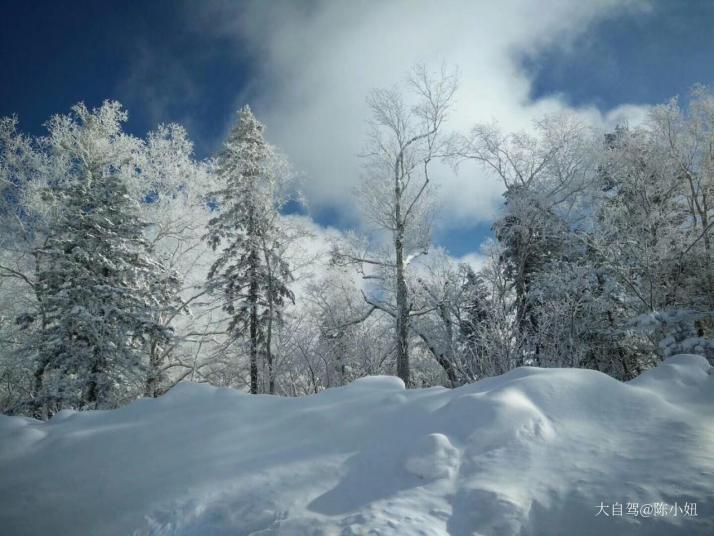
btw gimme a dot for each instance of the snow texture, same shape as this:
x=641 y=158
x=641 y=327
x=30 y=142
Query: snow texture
x=532 y=452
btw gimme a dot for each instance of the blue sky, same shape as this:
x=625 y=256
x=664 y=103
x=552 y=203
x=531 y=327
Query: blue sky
x=196 y=62
x=646 y=58
x=147 y=55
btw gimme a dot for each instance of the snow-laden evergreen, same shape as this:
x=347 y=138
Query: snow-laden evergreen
x=99 y=288
x=250 y=271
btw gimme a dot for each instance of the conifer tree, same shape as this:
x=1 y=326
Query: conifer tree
x=97 y=278
x=250 y=271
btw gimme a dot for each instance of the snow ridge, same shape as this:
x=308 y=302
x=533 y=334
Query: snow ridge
x=534 y=451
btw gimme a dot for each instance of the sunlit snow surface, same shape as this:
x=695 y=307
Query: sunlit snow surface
x=532 y=452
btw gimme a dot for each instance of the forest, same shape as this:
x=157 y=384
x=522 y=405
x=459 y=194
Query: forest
x=128 y=265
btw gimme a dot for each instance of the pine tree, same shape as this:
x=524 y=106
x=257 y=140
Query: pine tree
x=250 y=270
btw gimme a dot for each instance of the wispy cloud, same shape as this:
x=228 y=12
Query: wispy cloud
x=156 y=82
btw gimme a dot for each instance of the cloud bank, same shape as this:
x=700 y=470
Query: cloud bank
x=317 y=61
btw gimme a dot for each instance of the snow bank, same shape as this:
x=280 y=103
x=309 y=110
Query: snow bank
x=532 y=452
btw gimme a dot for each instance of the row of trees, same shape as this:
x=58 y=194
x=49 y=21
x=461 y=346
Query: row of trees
x=607 y=239
x=91 y=260
x=128 y=265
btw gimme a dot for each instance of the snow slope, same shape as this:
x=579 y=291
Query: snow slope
x=532 y=452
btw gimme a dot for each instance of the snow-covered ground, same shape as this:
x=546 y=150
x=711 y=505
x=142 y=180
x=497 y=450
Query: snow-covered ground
x=533 y=452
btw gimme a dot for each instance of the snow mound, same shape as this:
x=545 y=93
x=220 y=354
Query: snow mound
x=433 y=457
x=381 y=383
x=535 y=451
x=680 y=378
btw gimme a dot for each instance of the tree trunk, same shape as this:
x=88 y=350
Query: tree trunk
x=402 y=313
x=340 y=364
x=269 y=334
x=253 y=301
x=91 y=396
x=269 y=351
x=39 y=409
x=154 y=378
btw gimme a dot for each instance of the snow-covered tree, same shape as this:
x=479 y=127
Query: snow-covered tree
x=172 y=189
x=443 y=295
x=99 y=284
x=21 y=164
x=396 y=191
x=250 y=272
x=544 y=173
x=337 y=309
x=653 y=225
x=330 y=340
x=602 y=234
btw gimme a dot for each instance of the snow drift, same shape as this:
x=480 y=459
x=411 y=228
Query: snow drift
x=532 y=452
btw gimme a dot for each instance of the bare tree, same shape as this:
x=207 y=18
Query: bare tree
x=404 y=139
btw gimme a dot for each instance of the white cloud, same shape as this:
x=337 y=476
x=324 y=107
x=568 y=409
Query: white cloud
x=475 y=260
x=309 y=254
x=318 y=60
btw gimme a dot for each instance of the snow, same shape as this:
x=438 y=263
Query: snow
x=532 y=452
